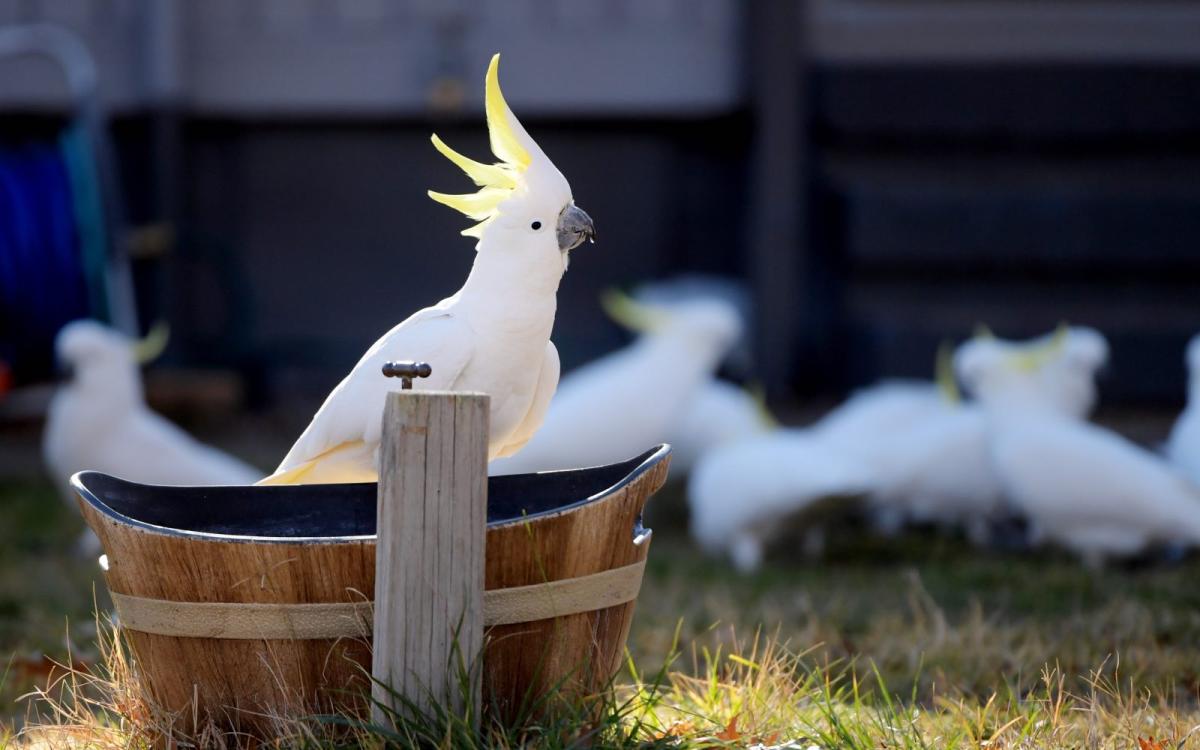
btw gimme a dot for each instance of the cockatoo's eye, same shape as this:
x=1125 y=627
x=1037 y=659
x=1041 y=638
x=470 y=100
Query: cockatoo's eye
x=535 y=225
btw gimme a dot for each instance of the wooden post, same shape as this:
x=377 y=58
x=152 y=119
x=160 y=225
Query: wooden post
x=429 y=557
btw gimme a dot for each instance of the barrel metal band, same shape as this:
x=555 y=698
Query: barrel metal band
x=321 y=620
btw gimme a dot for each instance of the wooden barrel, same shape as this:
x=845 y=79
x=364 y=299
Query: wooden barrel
x=245 y=603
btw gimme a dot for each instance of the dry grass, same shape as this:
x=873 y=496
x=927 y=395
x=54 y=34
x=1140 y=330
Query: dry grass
x=757 y=692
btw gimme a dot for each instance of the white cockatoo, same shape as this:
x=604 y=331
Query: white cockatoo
x=98 y=419
x=1183 y=446
x=1078 y=484
x=492 y=336
x=739 y=360
x=937 y=468
x=741 y=492
x=631 y=399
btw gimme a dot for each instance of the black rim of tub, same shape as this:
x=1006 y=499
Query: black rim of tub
x=333 y=513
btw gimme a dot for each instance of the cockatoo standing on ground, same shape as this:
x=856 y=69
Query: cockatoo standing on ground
x=98 y=420
x=622 y=403
x=741 y=492
x=1183 y=447
x=492 y=336
x=1079 y=485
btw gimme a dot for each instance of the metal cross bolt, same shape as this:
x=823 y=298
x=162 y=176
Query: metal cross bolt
x=406 y=370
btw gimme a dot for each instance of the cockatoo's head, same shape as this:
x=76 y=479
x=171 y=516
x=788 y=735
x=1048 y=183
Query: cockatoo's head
x=1053 y=373
x=94 y=355
x=523 y=204
x=708 y=325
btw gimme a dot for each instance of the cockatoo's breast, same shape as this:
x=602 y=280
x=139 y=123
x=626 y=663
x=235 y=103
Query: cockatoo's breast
x=506 y=364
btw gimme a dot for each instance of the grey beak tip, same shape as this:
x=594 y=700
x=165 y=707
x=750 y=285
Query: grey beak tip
x=574 y=226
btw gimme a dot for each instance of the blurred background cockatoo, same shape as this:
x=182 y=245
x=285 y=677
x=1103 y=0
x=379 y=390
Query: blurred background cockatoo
x=930 y=456
x=915 y=450
x=492 y=336
x=98 y=419
x=740 y=493
x=613 y=407
x=1078 y=484
x=1183 y=446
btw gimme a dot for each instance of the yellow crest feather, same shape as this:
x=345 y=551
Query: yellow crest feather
x=151 y=347
x=629 y=313
x=947 y=384
x=1038 y=355
x=484 y=175
x=505 y=144
x=758 y=395
x=479 y=206
x=496 y=181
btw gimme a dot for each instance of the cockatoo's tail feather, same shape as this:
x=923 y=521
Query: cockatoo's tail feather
x=944 y=374
x=629 y=313
x=497 y=182
x=353 y=461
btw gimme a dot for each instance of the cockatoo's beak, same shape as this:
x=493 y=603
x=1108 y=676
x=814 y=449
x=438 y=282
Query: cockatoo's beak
x=574 y=226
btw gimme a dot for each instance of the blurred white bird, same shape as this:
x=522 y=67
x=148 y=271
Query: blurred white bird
x=493 y=335
x=620 y=404
x=740 y=493
x=879 y=412
x=718 y=413
x=1183 y=446
x=940 y=470
x=1079 y=485
x=99 y=420
x=739 y=360
x=925 y=450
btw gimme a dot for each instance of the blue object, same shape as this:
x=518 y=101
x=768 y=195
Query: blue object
x=43 y=276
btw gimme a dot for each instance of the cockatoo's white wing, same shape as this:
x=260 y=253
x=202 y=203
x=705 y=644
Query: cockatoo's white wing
x=879 y=412
x=547 y=384
x=350 y=415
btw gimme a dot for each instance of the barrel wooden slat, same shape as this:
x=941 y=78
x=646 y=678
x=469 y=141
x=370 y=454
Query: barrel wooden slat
x=574 y=654
x=236 y=680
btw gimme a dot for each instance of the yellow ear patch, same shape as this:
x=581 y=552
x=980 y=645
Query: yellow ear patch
x=496 y=181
